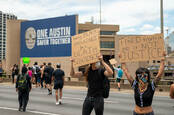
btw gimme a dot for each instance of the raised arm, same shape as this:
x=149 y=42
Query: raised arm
x=126 y=72
x=160 y=71
x=108 y=72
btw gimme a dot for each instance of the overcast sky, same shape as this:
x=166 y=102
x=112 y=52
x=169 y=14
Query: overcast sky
x=133 y=16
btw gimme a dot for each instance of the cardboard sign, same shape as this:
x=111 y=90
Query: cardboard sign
x=141 y=48
x=26 y=60
x=113 y=61
x=86 y=47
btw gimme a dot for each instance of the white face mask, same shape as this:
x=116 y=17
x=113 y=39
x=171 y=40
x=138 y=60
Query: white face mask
x=97 y=64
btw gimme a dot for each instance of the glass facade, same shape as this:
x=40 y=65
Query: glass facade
x=107 y=44
x=107 y=33
x=101 y=32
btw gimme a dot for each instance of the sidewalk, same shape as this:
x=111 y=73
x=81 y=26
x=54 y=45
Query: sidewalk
x=113 y=90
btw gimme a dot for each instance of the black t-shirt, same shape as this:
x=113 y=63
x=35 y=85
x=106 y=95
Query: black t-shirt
x=58 y=75
x=48 y=71
x=16 y=71
x=95 y=82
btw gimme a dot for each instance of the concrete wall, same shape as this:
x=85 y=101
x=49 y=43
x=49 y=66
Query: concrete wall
x=12 y=44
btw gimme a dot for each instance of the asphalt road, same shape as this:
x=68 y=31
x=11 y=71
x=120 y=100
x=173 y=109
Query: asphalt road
x=42 y=104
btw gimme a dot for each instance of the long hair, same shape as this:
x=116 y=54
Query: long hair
x=86 y=72
x=143 y=70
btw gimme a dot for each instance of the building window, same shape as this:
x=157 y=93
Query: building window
x=168 y=74
x=101 y=32
x=107 y=44
x=154 y=61
x=81 y=31
x=107 y=32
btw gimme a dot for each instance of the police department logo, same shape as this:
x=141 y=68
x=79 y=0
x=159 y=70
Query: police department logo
x=30 y=37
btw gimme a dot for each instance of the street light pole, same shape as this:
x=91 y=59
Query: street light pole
x=161 y=12
x=100 y=12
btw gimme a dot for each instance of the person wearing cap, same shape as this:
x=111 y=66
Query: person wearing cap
x=58 y=77
x=23 y=95
x=119 y=75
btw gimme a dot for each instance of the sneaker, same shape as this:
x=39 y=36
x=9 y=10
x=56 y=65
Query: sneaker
x=60 y=102
x=118 y=89
x=57 y=103
x=50 y=93
x=20 y=109
x=24 y=109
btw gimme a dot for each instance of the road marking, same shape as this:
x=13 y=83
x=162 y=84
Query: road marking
x=111 y=102
x=36 y=112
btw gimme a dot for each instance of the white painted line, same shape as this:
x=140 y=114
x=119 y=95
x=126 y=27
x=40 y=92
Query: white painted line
x=111 y=102
x=36 y=112
x=73 y=98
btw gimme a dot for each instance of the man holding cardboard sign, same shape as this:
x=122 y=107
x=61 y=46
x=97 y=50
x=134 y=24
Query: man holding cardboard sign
x=143 y=48
x=86 y=50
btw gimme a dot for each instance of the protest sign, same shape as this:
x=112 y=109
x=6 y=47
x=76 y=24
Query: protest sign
x=26 y=60
x=86 y=47
x=141 y=48
x=113 y=61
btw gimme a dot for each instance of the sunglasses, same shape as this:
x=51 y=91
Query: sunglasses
x=142 y=77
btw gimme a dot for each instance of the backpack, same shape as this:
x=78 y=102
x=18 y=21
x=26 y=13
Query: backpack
x=22 y=82
x=120 y=73
x=37 y=69
x=106 y=85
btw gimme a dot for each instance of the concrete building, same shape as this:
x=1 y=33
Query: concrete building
x=107 y=41
x=3 y=30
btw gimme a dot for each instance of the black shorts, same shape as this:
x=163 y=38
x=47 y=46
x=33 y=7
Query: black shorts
x=47 y=80
x=118 y=80
x=58 y=84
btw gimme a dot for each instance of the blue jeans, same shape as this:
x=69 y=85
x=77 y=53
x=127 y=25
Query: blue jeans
x=151 y=113
x=93 y=102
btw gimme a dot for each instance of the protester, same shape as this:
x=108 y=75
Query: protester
x=30 y=72
x=43 y=75
x=38 y=77
x=58 y=76
x=23 y=87
x=35 y=70
x=144 y=88
x=94 y=75
x=13 y=73
x=172 y=91
x=16 y=70
x=48 y=71
x=119 y=75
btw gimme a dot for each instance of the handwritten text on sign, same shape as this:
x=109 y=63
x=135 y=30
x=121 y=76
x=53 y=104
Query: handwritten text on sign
x=86 y=47
x=141 y=48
